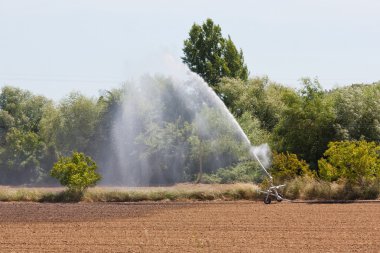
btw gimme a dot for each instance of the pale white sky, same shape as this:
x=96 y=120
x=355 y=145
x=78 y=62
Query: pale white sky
x=52 y=47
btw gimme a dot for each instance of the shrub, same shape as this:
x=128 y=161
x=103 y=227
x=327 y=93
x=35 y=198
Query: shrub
x=287 y=166
x=77 y=173
x=244 y=172
x=313 y=188
x=356 y=161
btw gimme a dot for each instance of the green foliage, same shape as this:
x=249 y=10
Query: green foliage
x=356 y=161
x=358 y=112
x=22 y=158
x=107 y=107
x=306 y=125
x=78 y=118
x=165 y=144
x=246 y=172
x=286 y=166
x=258 y=97
x=191 y=145
x=23 y=151
x=210 y=55
x=252 y=128
x=6 y=123
x=21 y=109
x=34 y=131
x=77 y=172
x=220 y=142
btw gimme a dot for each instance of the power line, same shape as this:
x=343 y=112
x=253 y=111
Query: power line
x=119 y=80
x=42 y=79
x=62 y=80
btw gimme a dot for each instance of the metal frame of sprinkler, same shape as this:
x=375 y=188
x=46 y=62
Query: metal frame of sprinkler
x=272 y=191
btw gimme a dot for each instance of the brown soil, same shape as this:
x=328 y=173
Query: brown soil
x=190 y=227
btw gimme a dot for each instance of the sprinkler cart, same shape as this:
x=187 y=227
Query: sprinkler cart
x=273 y=191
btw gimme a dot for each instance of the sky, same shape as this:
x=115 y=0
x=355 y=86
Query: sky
x=53 y=47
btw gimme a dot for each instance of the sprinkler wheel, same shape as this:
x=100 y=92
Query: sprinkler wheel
x=267 y=200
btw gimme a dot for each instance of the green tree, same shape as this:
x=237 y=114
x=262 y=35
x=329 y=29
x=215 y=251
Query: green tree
x=166 y=147
x=77 y=172
x=25 y=108
x=210 y=55
x=214 y=143
x=23 y=153
x=306 y=125
x=22 y=157
x=200 y=150
x=6 y=123
x=252 y=128
x=50 y=124
x=100 y=145
x=258 y=97
x=358 y=112
x=78 y=118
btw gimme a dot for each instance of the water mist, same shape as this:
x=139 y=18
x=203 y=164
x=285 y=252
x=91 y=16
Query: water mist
x=155 y=114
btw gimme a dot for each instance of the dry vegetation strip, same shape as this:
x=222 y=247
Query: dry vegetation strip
x=179 y=192
x=189 y=227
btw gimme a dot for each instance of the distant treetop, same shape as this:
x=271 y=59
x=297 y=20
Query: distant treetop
x=211 y=56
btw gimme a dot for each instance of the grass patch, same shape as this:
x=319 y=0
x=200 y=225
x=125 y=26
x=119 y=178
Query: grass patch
x=305 y=188
x=62 y=196
x=308 y=188
x=181 y=192
x=9 y=194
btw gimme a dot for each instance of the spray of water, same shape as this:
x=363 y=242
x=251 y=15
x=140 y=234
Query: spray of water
x=148 y=105
x=263 y=156
x=261 y=153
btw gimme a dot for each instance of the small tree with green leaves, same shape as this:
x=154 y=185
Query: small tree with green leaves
x=287 y=166
x=77 y=172
x=356 y=161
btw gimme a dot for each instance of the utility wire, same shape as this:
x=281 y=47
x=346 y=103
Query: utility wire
x=353 y=80
x=62 y=80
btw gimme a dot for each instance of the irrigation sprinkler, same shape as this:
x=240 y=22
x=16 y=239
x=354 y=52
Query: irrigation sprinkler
x=272 y=191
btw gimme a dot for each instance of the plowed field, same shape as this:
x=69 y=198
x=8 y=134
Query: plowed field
x=189 y=227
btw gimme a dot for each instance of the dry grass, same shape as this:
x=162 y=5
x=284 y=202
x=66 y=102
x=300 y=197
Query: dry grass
x=26 y=193
x=180 y=192
x=308 y=188
x=305 y=188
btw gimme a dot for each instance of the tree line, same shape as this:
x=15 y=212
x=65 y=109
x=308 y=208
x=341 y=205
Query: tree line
x=35 y=131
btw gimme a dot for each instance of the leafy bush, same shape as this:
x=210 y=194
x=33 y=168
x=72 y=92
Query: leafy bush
x=358 y=162
x=244 y=172
x=77 y=172
x=286 y=166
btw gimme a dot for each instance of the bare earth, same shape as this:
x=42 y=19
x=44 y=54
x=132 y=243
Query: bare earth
x=189 y=227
